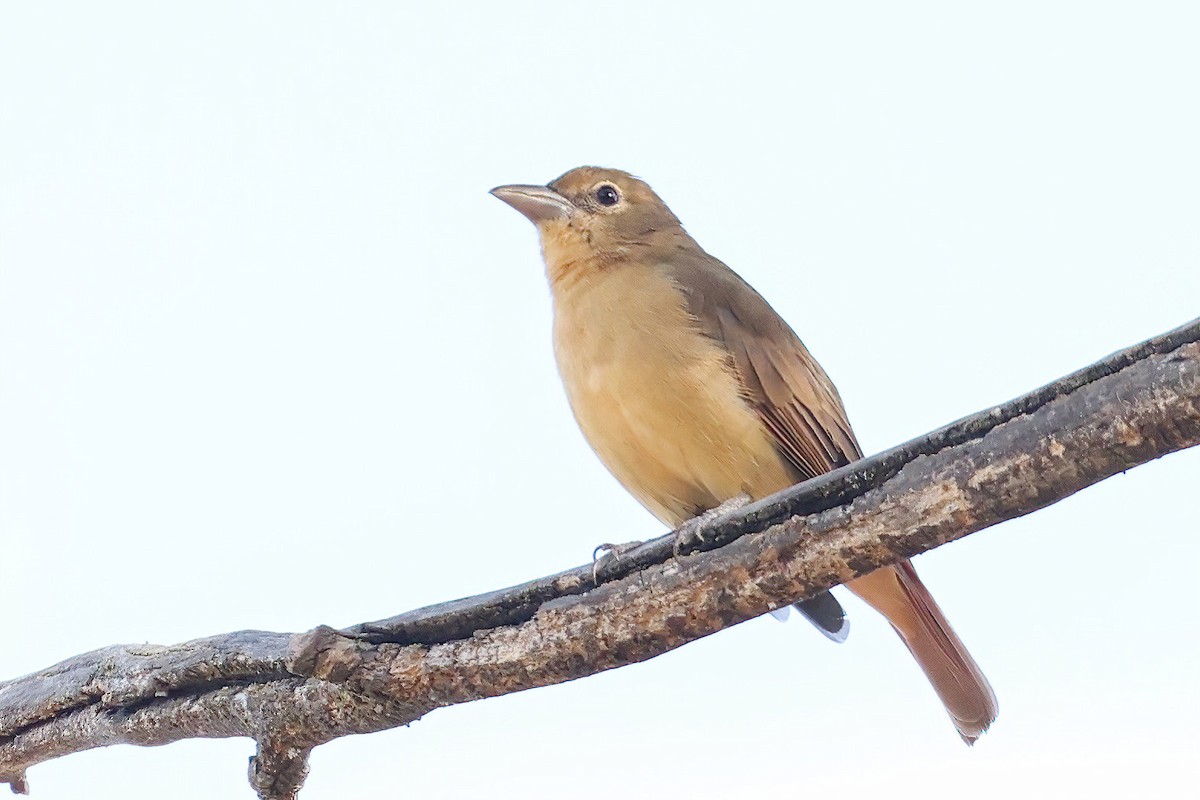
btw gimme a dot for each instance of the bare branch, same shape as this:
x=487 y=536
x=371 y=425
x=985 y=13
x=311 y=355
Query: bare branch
x=292 y=692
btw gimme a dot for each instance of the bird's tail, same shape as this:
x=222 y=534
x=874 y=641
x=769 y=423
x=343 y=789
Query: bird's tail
x=898 y=594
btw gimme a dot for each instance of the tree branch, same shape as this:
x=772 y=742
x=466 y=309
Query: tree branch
x=292 y=692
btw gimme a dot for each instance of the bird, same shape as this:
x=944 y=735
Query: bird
x=693 y=391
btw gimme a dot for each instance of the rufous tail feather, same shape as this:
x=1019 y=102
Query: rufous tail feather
x=898 y=594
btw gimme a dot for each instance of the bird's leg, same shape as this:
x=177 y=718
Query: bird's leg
x=606 y=551
x=690 y=533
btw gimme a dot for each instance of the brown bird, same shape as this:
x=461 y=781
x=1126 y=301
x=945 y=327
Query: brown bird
x=693 y=391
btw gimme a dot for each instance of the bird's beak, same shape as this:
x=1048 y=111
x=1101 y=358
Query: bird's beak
x=538 y=203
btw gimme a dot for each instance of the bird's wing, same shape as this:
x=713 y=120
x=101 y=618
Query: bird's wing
x=784 y=384
x=799 y=405
x=780 y=379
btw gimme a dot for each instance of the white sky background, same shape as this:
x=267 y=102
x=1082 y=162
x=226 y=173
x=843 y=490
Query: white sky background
x=270 y=356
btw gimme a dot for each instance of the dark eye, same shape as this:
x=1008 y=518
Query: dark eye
x=607 y=195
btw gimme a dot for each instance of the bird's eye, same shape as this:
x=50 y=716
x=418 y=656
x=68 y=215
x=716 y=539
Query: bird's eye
x=607 y=195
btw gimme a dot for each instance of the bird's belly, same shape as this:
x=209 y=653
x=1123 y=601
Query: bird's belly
x=664 y=413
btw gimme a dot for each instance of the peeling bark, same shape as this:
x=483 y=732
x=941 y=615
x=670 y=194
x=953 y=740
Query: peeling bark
x=292 y=692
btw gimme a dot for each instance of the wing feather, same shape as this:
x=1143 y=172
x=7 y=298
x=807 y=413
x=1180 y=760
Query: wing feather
x=785 y=385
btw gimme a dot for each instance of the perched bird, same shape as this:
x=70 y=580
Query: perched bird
x=693 y=391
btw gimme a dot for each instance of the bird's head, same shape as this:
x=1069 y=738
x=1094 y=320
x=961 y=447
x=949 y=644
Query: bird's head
x=591 y=214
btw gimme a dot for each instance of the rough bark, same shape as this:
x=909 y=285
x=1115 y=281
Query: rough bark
x=292 y=692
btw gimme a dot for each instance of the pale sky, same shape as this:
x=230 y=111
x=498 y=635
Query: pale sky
x=270 y=357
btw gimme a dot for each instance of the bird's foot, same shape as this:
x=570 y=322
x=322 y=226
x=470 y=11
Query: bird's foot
x=690 y=534
x=607 y=553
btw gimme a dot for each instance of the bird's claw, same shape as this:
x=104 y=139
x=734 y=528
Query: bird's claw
x=690 y=534
x=606 y=551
